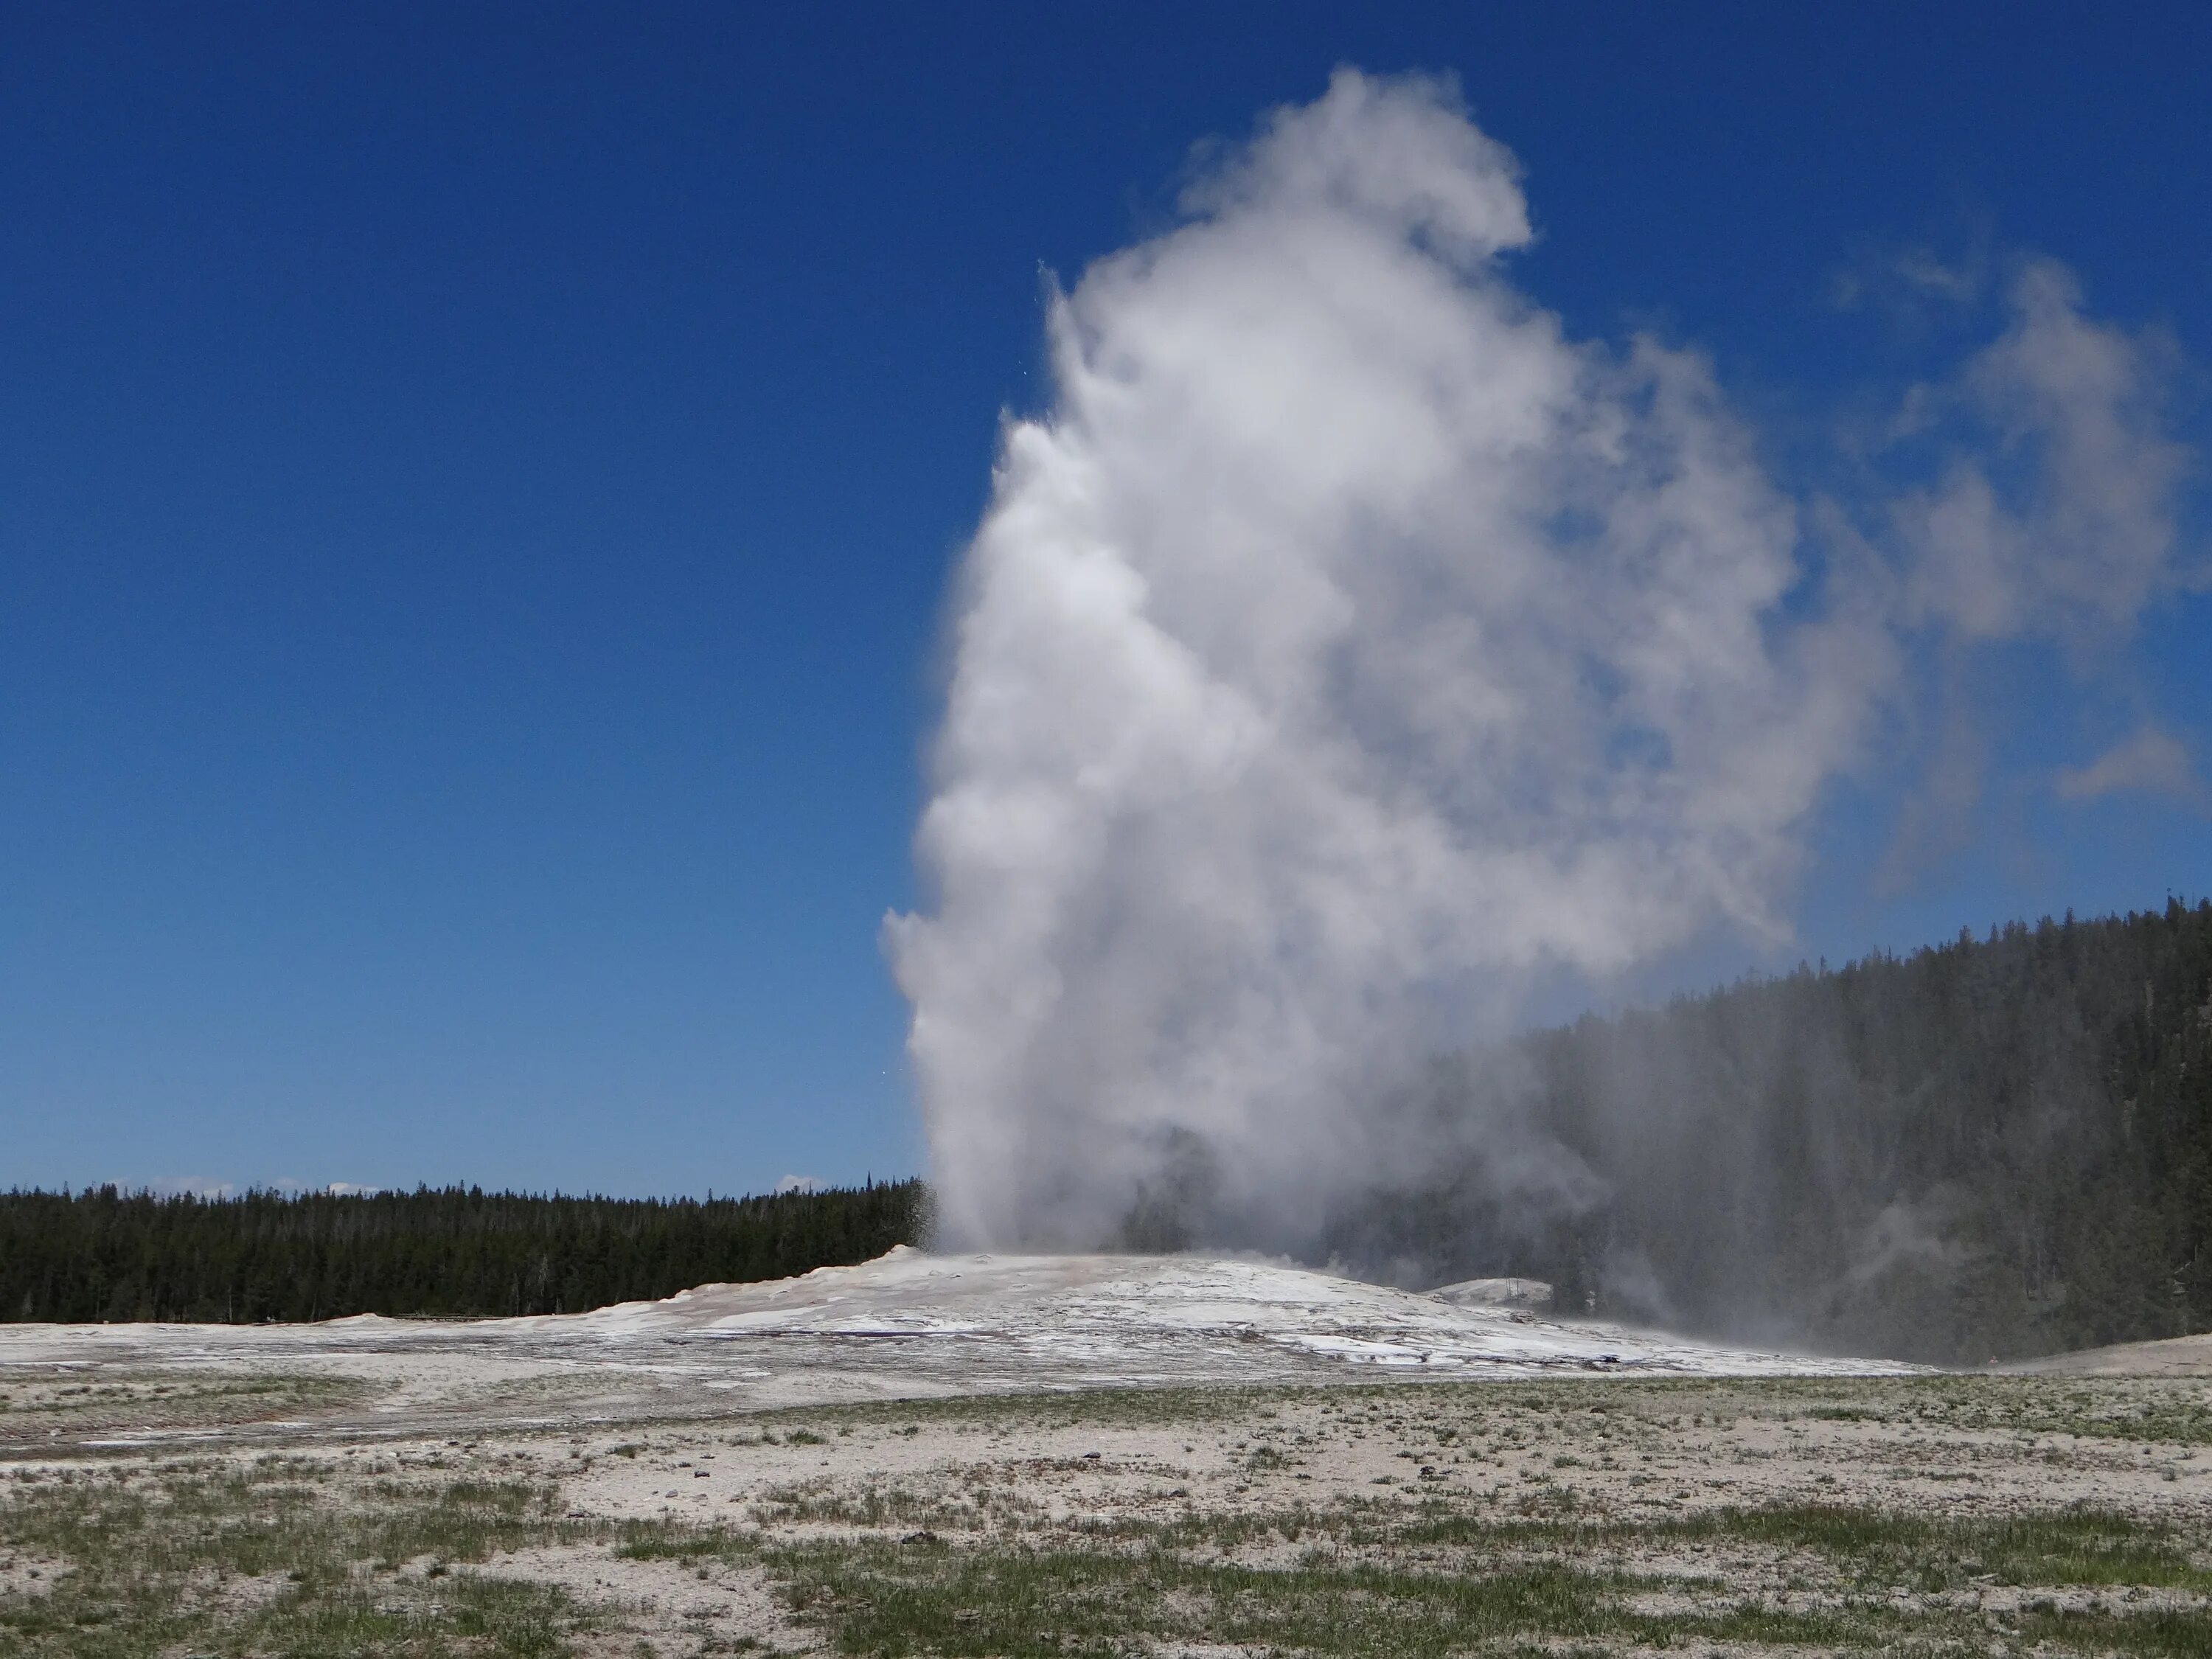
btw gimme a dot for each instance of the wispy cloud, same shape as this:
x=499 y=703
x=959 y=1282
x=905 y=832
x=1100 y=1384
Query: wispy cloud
x=2057 y=514
x=2152 y=761
x=1908 y=280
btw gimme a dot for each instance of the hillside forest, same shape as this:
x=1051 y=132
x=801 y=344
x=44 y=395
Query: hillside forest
x=1992 y=1148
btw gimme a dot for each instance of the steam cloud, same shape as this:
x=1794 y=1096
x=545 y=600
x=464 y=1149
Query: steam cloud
x=1347 y=647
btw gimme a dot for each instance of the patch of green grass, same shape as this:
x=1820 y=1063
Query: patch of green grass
x=2185 y=1635
x=881 y=1600
x=669 y=1540
x=887 y=1600
x=269 y=1558
x=817 y=1502
x=2067 y=1547
x=1872 y=1548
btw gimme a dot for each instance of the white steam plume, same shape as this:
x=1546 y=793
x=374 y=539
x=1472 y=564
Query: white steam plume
x=1344 y=646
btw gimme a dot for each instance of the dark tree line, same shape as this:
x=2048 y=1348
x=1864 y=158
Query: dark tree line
x=1994 y=1147
x=105 y=1255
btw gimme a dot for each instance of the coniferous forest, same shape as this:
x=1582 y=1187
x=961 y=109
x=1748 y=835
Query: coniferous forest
x=101 y=1254
x=1993 y=1148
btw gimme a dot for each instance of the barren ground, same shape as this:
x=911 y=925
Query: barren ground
x=159 y=1499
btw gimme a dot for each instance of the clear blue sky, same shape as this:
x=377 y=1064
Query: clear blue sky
x=477 y=485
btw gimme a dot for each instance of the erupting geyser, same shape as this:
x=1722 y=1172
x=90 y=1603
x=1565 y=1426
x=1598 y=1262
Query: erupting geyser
x=1346 y=644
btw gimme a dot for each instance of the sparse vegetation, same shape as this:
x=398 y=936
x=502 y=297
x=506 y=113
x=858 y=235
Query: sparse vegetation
x=269 y=1557
x=1605 y=1515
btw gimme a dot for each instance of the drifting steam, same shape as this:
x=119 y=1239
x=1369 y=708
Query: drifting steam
x=1347 y=647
